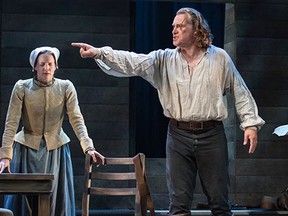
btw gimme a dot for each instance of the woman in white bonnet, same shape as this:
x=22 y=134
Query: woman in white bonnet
x=41 y=146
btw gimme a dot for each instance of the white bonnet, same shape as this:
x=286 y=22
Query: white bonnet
x=34 y=54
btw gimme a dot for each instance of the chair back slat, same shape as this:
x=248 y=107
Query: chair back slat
x=103 y=181
x=114 y=176
x=113 y=191
x=119 y=161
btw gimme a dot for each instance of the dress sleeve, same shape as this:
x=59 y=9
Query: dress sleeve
x=76 y=118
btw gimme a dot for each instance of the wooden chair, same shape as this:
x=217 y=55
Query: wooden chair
x=139 y=188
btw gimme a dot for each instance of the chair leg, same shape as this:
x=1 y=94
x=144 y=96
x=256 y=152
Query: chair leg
x=138 y=208
x=143 y=202
x=85 y=205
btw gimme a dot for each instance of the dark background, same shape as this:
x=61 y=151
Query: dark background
x=152 y=31
x=255 y=35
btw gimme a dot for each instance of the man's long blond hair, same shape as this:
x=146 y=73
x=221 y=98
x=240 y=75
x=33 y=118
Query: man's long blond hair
x=203 y=34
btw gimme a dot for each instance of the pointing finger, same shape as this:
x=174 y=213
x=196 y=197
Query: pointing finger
x=81 y=45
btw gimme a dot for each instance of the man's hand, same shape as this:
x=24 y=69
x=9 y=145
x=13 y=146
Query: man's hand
x=3 y=164
x=87 y=51
x=250 y=136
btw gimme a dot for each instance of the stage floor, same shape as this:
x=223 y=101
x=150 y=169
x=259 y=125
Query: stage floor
x=256 y=212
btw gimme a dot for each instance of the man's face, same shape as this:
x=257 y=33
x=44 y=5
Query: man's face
x=182 y=31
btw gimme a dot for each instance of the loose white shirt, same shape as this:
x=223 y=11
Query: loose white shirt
x=186 y=96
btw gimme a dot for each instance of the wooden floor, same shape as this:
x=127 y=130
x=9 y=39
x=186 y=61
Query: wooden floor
x=255 y=212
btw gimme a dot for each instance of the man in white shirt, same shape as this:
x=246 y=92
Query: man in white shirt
x=192 y=81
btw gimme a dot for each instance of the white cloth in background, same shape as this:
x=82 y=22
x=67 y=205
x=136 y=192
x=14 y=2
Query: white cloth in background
x=281 y=130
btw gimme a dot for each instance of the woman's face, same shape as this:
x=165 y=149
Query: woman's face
x=45 y=68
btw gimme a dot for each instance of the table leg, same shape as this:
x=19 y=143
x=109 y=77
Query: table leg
x=44 y=204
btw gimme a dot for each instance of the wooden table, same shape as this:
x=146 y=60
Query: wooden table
x=33 y=184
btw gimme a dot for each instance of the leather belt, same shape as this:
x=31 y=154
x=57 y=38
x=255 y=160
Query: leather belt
x=194 y=125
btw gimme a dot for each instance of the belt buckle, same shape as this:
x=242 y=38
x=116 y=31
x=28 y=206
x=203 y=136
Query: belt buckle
x=193 y=124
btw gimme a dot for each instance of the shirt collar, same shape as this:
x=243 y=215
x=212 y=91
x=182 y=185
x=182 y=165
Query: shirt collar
x=40 y=84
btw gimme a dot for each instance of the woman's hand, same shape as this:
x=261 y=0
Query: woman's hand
x=96 y=156
x=3 y=164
